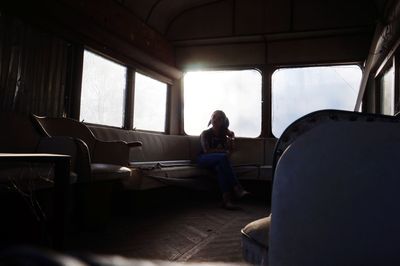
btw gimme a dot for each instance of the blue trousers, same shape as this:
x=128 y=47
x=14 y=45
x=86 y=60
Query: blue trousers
x=219 y=162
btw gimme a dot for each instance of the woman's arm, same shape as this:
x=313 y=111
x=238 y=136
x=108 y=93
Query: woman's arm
x=205 y=145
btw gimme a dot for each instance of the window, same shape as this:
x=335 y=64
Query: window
x=103 y=91
x=150 y=104
x=299 y=91
x=386 y=85
x=237 y=93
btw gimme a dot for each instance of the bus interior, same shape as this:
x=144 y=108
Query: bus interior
x=102 y=104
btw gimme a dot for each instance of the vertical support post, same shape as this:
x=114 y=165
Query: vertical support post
x=61 y=201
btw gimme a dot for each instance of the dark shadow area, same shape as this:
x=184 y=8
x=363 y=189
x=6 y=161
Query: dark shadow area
x=173 y=224
x=26 y=218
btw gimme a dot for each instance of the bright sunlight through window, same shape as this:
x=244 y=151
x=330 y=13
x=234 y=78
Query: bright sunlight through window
x=237 y=93
x=299 y=91
x=103 y=91
x=150 y=103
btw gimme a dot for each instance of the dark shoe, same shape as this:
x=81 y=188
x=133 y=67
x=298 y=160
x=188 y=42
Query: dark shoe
x=240 y=192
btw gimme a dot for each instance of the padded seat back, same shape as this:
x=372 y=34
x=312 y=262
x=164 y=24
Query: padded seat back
x=156 y=147
x=51 y=127
x=159 y=147
x=248 y=152
x=311 y=120
x=336 y=197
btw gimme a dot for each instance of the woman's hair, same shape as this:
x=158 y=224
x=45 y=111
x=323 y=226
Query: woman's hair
x=226 y=120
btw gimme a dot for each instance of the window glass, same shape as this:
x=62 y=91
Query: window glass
x=387 y=92
x=299 y=91
x=103 y=91
x=236 y=92
x=150 y=104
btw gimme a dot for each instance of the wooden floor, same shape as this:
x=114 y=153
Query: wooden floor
x=179 y=226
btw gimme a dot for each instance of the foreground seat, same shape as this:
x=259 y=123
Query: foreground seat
x=255 y=236
x=335 y=197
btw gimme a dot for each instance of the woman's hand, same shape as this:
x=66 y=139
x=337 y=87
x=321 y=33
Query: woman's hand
x=230 y=140
x=230 y=134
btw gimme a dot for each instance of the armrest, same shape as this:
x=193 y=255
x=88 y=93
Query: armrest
x=134 y=144
x=112 y=152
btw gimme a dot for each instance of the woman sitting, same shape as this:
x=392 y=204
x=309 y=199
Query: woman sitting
x=217 y=144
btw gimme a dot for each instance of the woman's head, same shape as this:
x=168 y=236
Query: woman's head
x=219 y=120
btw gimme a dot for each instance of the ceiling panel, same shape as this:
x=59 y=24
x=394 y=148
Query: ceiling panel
x=139 y=8
x=167 y=10
x=192 y=19
x=207 y=21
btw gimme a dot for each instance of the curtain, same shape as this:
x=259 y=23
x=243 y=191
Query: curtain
x=33 y=69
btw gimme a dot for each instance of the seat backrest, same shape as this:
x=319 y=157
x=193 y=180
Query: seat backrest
x=17 y=133
x=51 y=126
x=311 y=120
x=336 y=199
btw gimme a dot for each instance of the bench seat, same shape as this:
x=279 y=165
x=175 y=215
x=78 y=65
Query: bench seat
x=159 y=162
x=186 y=173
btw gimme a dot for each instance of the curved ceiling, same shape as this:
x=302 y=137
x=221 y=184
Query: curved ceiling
x=158 y=14
x=198 y=19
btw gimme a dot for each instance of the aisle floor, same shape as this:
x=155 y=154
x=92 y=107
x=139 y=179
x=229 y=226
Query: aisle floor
x=183 y=229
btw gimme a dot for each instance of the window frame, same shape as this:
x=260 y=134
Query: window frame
x=379 y=89
x=128 y=111
x=258 y=68
x=273 y=68
x=167 y=105
x=392 y=61
x=125 y=101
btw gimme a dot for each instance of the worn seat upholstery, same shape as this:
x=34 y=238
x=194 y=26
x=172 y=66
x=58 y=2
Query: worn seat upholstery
x=99 y=160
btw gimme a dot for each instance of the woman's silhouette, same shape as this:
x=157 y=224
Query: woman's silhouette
x=217 y=144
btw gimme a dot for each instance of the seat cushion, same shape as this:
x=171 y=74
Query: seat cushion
x=181 y=172
x=255 y=238
x=103 y=171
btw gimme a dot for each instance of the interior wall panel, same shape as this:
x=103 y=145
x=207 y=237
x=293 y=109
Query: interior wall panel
x=259 y=16
x=348 y=48
x=220 y=55
x=328 y=14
